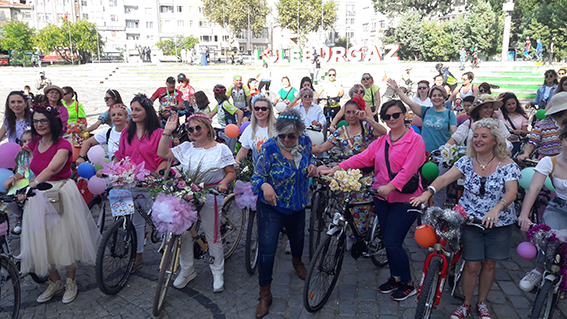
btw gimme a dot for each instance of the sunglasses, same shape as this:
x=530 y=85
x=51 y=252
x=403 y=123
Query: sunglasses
x=549 y=76
x=191 y=129
x=332 y=75
x=290 y=136
x=482 y=186
x=358 y=91
x=42 y=121
x=396 y=116
x=307 y=96
x=67 y=93
x=562 y=73
x=422 y=88
x=482 y=91
x=366 y=78
x=263 y=108
x=106 y=98
x=220 y=90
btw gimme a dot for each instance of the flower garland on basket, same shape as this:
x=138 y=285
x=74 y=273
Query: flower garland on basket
x=78 y=132
x=124 y=173
x=447 y=223
x=549 y=240
x=449 y=156
x=345 y=181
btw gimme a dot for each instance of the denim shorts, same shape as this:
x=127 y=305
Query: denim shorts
x=555 y=214
x=489 y=244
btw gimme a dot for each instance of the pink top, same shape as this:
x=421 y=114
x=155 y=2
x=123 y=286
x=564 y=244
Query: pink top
x=406 y=157
x=40 y=161
x=144 y=150
x=64 y=116
x=519 y=120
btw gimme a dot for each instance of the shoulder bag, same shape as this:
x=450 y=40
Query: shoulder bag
x=411 y=186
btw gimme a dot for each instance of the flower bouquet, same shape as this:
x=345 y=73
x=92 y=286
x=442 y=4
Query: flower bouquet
x=450 y=156
x=124 y=173
x=549 y=240
x=345 y=181
x=78 y=132
x=246 y=170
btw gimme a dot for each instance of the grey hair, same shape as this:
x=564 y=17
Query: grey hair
x=288 y=121
x=354 y=87
x=500 y=149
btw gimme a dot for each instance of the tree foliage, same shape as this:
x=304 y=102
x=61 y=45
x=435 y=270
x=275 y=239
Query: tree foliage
x=83 y=40
x=16 y=36
x=234 y=14
x=174 y=46
x=409 y=35
x=421 y=6
x=547 y=19
x=309 y=12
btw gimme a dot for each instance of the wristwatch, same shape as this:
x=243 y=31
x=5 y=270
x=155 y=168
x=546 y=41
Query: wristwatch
x=431 y=189
x=84 y=157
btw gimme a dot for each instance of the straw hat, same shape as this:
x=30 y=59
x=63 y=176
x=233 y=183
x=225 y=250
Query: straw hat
x=558 y=103
x=482 y=100
x=53 y=87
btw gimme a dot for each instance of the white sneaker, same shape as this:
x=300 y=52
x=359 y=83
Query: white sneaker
x=184 y=277
x=530 y=280
x=218 y=283
x=70 y=291
x=287 y=248
x=53 y=288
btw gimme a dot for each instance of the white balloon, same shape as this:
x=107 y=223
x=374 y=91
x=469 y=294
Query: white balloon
x=281 y=106
x=316 y=137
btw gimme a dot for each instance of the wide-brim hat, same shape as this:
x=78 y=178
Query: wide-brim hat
x=558 y=103
x=53 y=87
x=482 y=100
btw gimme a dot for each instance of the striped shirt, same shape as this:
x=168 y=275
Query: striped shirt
x=545 y=137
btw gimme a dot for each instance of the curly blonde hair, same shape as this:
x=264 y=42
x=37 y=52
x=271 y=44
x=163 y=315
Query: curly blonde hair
x=500 y=149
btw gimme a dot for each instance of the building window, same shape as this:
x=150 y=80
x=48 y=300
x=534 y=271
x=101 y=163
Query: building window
x=180 y=23
x=166 y=9
x=189 y=9
x=27 y=15
x=200 y=10
x=205 y=38
x=179 y=8
x=113 y=3
x=225 y=37
x=149 y=24
x=365 y=27
x=149 y=11
x=150 y=37
x=84 y=3
x=85 y=16
x=132 y=24
x=130 y=9
x=165 y=24
x=204 y=24
x=190 y=23
x=132 y=36
x=382 y=25
x=113 y=18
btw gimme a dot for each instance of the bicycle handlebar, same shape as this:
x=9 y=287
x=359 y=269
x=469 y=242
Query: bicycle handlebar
x=28 y=191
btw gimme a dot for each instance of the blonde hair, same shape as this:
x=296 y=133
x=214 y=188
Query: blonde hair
x=271 y=118
x=204 y=120
x=500 y=150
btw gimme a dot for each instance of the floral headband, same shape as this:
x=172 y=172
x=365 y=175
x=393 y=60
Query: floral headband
x=289 y=117
x=198 y=115
x=120 y=106
x=47 y=107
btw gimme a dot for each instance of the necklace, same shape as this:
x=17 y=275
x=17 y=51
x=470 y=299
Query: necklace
x=483 y=167
x=400 y=137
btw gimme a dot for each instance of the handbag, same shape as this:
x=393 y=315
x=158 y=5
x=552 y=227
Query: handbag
x=54 y=196
x=411 y=186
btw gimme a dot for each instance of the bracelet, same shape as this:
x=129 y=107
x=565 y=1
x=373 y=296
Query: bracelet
x=504 y=203
x=165 y=134
x=84 y=157
x=34 y=181
x=431 y=189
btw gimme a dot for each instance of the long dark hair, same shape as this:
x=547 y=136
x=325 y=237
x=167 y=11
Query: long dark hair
x=151 y=123
x=54 y=124
x=306 y=79
x=519 y=108
x=201 y=100
x=10 y=116
x=115 y=95
x=552 y=72
x=68 y=89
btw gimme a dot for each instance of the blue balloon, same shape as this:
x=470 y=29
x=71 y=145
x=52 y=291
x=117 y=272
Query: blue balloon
x=86 y=170
x=416 y=129
x=4 y=175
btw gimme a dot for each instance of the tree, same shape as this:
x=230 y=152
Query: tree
x=409 y=35
x=485 y=28
x=343 y=42
x=235 y=14
x=544 y=21
x=16 y=36
x=174 y=46
x=437 y=41
x=309 y=12
x=422 y=6
x=83 y=40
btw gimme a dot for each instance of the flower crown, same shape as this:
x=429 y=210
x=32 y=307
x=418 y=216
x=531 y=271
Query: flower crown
x=47 y=107
x=118 y=105
x=198 y=115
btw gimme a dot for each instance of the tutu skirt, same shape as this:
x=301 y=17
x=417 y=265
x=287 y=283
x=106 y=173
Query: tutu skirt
x=50 y=240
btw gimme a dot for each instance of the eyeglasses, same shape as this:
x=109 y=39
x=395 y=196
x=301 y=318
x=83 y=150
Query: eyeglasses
x=307 y=96
x=332 y=74
x=482 y=186
x=191 y=129
x=106 y=98
x=263 y=108
x=366 y=78
x=422 y=88
x=220 y=90
x=290 y=136
x=358 y=91
x=42 y=121
x=396 y=116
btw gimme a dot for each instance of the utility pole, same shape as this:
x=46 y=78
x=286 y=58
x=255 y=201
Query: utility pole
x=248 y=40
x=507 y=7
x=70 y=43
x=298 y=44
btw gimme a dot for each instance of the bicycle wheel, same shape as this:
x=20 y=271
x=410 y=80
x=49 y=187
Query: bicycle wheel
x=545 y=301
x=376 y=247
x=115 y=257
x=251 y=246
x=426 y=301
x=166 y=270
x=317 y=223
x=98 y=208
x=324 y=272
x=10 y=290
x=231 y=224
x=38 y=279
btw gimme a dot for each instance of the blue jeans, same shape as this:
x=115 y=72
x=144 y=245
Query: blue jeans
x=395 y=222
x=270 y=222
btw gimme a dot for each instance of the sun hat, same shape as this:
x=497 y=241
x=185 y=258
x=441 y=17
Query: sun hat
x=482 y=100
x=53 y=87
x=558 y=103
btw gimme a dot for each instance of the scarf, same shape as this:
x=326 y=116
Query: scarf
x=295 y=150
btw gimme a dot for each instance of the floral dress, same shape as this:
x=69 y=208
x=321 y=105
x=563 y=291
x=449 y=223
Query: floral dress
x=352 y=145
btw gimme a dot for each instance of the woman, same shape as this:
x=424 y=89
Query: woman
x=17 y=117
x=71 y=102
x=311 y=113
x=111 y=97
x=261 y=129
x=371 y=93
x=287 y=93
x=281 y=174
x=305 y=83
x=109 y=137
x=53 y=97
x=253 y=86
x=202 y=102
x=404 y=150
x=422 y=95
x=356 y=92
x=201 y=154
x=545 y=92
x=484 y=88
x=515 y=119
x=51 y=239
x=491 y=183
x=465 y=89
x=438 y=81
x=544 y=136
x=228 y=114
x=555 y=214
x=561 y=87
x=139 y=141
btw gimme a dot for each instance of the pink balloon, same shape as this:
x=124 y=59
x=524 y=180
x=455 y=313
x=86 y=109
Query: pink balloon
x=97 y=185
x=95 y=153
x=526 y=250
x=9 y=151
x=417 y=121
x=321 y=168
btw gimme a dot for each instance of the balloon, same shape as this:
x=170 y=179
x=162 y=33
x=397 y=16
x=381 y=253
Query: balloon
x=462 y=118
x=76 y=153
x=526 y=179
x=4 y=175
x=9 y=151
x=526 y=250
x=342 y=123
x=97 y=185
x=86 y=170
x=281 y=106
x=95 y=153
x=548 y=184
x=19 y=185
x=244 y=126
x=416 y=129
x=417 y=121
x=83 y=186
x=321 y=168
x=430 y=171
x=540 y=114
x=98 y=166
x=316 y=137
x=232 y=131
x=425 y=235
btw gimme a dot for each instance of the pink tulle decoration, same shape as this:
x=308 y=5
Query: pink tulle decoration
x=244 y=196
x=173 y=214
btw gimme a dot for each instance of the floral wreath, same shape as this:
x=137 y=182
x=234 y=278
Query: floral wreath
x=47 y=107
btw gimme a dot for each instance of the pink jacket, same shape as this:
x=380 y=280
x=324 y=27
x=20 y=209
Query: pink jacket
x=406 y=157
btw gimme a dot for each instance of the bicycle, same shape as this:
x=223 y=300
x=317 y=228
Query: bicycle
x=10 y=289
x=326 y=264
x=330 y=110
x=542 y=200
x=230 y=230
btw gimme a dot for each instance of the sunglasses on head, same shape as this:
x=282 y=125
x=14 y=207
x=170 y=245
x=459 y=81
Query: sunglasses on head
x=260 y=108
x=220 y=90
x=366 y=78
x=192 y=129
x=307 y=96
x=290 y=136
x=396 y=116
x=482 y=186
x=422 y=88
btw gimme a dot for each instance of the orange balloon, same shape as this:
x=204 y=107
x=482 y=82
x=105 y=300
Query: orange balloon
x=425 y=235
x=232 y=131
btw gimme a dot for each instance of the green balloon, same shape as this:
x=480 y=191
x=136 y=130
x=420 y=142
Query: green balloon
x=548 y=184
x=526 y=179
x=430 y=171
x=342 y=123
x=98 y=165
x=540 y=114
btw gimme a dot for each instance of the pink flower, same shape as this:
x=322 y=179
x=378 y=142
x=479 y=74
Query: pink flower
x=182 y=184
x=195 y=188
x=189 y=197
x=177 y=175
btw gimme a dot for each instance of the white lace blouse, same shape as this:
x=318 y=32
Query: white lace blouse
x=214 y=159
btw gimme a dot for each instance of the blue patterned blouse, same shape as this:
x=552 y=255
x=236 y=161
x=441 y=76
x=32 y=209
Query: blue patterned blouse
x=289 y=183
